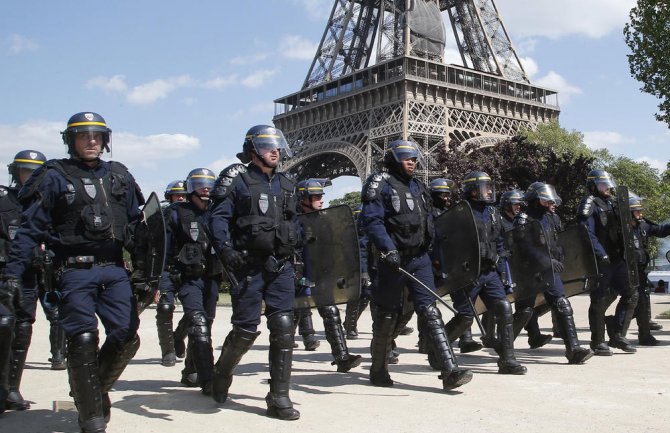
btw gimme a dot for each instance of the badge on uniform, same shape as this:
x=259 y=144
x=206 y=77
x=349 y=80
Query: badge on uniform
x=263 y=203
x=395 y=200
x=89 y=187
x=194 y=231
x=12 y=232
x=410 y=200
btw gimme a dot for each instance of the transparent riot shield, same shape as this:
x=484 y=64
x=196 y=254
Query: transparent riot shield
x=529 y=260
x=457 y=243
x=331 y=271
x=626 y=228
x=151 y=249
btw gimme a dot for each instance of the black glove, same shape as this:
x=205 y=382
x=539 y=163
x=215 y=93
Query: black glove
x=365 y=279
x=138 y=280
x=604 y=261
x=557 y=265
x=232 y=258
x=392 y=259
x=10 y=292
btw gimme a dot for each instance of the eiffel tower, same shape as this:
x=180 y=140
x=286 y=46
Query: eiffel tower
x=347 y=112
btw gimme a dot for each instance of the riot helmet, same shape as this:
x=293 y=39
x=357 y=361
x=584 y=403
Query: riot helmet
x=402 y=150
x=175 y=189
x=442 y=190
x=542 y=194
x=357 y=210
x=262 y=139
x=311 y=191
x=511 y=202
x=636 y=205
x=601 y=183
x=478 y=187
x=25 y=159
x=86 y=122
x=199 y=182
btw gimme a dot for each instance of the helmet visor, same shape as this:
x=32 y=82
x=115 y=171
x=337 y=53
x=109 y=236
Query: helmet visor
x=270 y=140
x=407 y=150
x=199 y=181
x=548 y=194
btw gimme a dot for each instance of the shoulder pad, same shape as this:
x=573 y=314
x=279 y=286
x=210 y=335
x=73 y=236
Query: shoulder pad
x=3 y=191
x=117 y=166
x=288 y=175
x=27 y=192
x=586 y=207
x=373 y=186
x=224 y=183
x=287 y=181
x=521 y=219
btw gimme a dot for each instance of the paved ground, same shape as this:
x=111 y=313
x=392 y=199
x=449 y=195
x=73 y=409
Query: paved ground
x=622 y=393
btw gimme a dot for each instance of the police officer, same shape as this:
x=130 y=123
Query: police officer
x=356 y=307
x=196 y=273
x=84 y=207
x=310 y=194
x=642 y=230
x=397 y=219
x=175 y=192
x=252 y=220
x=542 y=201
x=601 y=218
x=479 y=191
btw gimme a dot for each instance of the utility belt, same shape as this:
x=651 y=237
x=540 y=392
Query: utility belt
x=270 y=263
x=85 y=262
x=412 y=252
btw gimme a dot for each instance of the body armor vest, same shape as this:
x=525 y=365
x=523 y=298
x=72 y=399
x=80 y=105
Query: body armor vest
x=10 y=220
x=408 y=224
x=263 y=223
x=551 y=226
x=641 y=242
x=607 y=228
x=489 y=229
x=93 y=209
x=192 y=253
x=507 y=224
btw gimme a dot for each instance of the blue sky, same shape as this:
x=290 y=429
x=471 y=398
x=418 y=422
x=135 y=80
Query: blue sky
x=180 y=82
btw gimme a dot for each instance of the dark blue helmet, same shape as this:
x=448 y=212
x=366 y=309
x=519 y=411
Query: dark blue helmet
x=200 y=178
x=312 y=186
x=30 y=159
x=175 y=187
x=400 y=150
x=600 y=182
x=441 y=185
x=478 y=186
x=542 y=191
x=86 y=122
x=635 y=201
x=261 y=138
x=509 y=198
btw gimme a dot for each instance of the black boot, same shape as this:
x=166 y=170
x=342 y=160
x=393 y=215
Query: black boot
x=536 y=339
x=521 y=317
x=189 y=376
x=306 y=330
x=489 y=339
x=454 y=329
x=597 y=310
x=237 y=343
x=353 y=313
x=164 y=313
x=56 y=340
x=84 y=376
x=7 y=324
x=200 y=343
x=23 y=332
x=626 y=309
x=466 y=344
x=280 y=357
x=643 y=317
x=113 y=359
x=335 y=336
x=565 y=320
x=507 y=363
x=422 y=344
x=383 y=325
x=179 y=335
x=452 y=375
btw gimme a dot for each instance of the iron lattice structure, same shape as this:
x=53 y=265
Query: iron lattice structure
x=347 y=111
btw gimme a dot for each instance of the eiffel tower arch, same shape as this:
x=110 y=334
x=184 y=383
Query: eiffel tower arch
x=347 y=111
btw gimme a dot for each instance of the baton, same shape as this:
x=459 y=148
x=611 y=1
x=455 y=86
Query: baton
x=442 y=301
x=477 y=319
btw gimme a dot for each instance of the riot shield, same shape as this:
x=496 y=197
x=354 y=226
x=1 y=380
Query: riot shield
x=529 y=260
x=580 y=273
x=457 y=243
x=626 y=228
x=332 y=267
x=151 y=231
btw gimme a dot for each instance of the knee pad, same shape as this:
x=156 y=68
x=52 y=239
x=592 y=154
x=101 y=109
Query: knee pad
x=563 y=306
x=7 y=324
x=431 y=312
x=502 y=308
x=198 y=326
x=82 y=349
x=329 y=312
x=281 y=330
x=164 y=310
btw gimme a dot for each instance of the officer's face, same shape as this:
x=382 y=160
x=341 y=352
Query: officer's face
x=177 y=197
x=315 y=201
x=408 y=166
x=24 y=175
x=515 y=208
x=549 y=204
x=88 y=145
x=637 y=214
x=604 y=190
x=271 y=156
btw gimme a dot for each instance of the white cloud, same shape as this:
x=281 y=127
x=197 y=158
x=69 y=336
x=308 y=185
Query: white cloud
x=316 y=9
x=592 y=18
x=556 y=82
x=219 y=83
x=38 y=135
x=529 y=66
x=654 y=163
x=257 y=79
x=18 y=44
x=115 y=84
x=610 y=140
x=149 y=93
x=297 y=47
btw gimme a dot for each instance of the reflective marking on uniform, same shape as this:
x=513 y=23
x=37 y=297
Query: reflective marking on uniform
x=441 y=187
x=178 y=188
x=205 y=176
x=472 y=179
x=263 y=136
x=87 y=124
x=32 y=161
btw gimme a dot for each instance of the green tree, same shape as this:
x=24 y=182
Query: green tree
x=351 y=198
x=648 y=37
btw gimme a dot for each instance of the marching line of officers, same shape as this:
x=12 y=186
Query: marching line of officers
x=66 y=222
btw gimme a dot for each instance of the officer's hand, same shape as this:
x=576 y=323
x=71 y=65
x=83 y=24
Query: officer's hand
x=138 y=280
x=365 y=279
x=392 y=259
x=604 y=261
x=10 y=292
x=232 y=258
x=557 y=265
